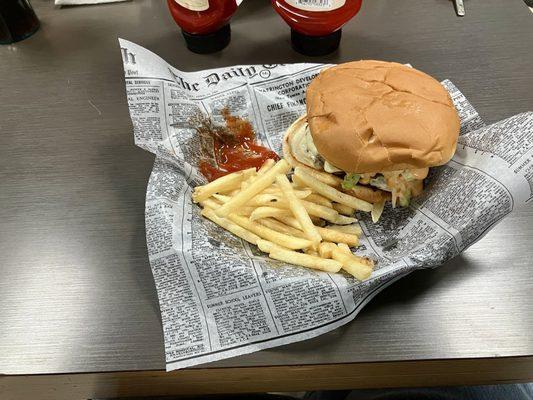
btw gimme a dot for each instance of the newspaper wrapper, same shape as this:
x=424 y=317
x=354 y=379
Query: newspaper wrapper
x=219 y=296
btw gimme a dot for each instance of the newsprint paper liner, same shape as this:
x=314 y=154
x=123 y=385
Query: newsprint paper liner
x=219 y=296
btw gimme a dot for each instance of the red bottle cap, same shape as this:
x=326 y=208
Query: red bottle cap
x=208 y=43
x=315 y=45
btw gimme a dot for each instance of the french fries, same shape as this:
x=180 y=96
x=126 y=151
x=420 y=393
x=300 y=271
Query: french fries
x=281 y=227
x=210 y=203
x=324 y=177
x=293 y=257
x=325 y=249
x=330 y=192
x=227 y=182
x=338 y=237
x=353 y=229
x=287 y=219
x=321 y=200
x=266 y=212
x=299 y=211
x=327 y=233
x=262 y=182
x=359 y=267
x=350 y=263
x=262 y=231
x=301 y=194
x=329 y=214
x=266 y=166
x=344 y=209
x=344 y=220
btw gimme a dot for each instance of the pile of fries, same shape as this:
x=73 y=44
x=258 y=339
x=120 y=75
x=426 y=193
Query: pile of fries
x=306 y=222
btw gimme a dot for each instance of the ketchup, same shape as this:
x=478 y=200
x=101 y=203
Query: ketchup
x=204 y=23
x=235 y=149
x=316 y=24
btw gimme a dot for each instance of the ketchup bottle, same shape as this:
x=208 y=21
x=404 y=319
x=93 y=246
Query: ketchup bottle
x=204 y=23
x=316 y=24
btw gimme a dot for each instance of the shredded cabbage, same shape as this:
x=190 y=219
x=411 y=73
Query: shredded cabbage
x=405 y=198
x=408 y=175
x=380 y=182
x=350 y=180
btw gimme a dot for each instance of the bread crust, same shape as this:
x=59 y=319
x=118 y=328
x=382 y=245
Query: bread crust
x=368 y=116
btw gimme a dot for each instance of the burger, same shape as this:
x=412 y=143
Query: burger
x=373 y=129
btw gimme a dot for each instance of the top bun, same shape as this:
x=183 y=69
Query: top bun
x=373 y=116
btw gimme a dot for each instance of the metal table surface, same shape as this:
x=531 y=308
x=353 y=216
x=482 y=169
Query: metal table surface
x=76 y=291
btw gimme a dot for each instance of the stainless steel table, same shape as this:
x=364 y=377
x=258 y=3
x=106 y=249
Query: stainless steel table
x=76 y=293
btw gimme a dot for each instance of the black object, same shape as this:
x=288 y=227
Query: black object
x=17 y=21
x=315 y=45
x=209 y=43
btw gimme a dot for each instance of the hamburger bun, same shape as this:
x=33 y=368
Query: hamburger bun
x=371 y=116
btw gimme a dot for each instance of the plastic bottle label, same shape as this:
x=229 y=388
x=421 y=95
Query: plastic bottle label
x=316 y=5
x=194 y=5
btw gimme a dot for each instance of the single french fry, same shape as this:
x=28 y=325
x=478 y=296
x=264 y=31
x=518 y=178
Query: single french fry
x=259 y=184
x=325 y=249
x=224 y=183
x=222 y=198
x=230 y=226
x=265 y=245
x=377 y=210
x=211 y=203
x=323 y=212
x=265 y=199
x=318 y=199
x=266 y=166
x=331 y=235
x=270 y=234
x=298 y=210
x=352 y=264
x=305 y=260
x=353 y=229
x=322 y=176
x=344 y=220
x=281 y=227
x=364 y=260
x=344 y=209
x=344 y=247
x=265 y=212
x=290 y=221
x=331 y=193
x=301 y=194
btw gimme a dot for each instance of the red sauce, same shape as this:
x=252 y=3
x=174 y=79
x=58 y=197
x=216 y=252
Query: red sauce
x=316 y=23
x=235 y=151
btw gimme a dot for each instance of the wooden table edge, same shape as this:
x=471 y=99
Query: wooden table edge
x=471 y=371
